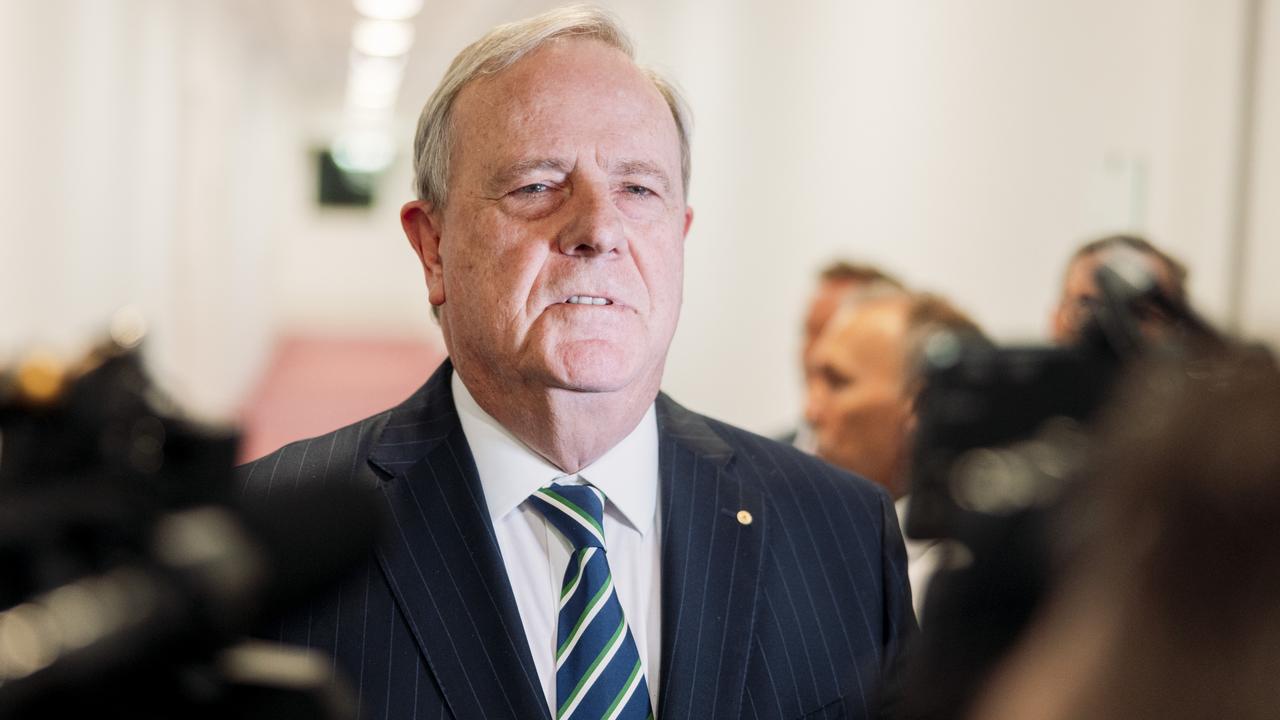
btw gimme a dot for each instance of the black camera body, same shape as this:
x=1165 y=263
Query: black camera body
x=132 y=572
x=1003 y=433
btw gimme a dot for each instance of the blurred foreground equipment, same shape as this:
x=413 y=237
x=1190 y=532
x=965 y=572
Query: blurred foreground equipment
x=1004 y=435
x=1168 y=603
x=131 y=569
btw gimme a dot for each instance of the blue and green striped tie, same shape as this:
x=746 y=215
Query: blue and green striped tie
x=598 y=672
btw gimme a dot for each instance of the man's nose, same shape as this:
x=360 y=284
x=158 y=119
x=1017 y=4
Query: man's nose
x=814 y=401
x=596 y=227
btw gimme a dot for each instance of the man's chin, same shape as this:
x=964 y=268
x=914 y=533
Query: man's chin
x=594 y=367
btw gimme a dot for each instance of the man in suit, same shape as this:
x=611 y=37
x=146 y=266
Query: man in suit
x=566 y=541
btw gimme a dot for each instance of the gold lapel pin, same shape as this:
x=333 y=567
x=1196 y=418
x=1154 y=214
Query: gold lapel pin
x=744 y=517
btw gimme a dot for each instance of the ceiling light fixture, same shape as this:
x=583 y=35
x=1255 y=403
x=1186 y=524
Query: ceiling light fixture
x=382 y=38
x=374 y=82
x=363 y=151
x=388 y=9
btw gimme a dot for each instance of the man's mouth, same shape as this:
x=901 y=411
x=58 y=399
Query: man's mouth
x=588 y=300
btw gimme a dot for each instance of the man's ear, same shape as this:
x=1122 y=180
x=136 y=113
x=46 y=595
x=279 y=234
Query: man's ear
x=421 y=225
x=911 y=423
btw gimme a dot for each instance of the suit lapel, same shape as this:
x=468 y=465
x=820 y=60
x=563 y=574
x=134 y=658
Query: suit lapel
x=443 y=564
x=447 y=575
x=711 y=558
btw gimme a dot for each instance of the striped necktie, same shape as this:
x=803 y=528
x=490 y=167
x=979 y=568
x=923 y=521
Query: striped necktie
x=598 y=672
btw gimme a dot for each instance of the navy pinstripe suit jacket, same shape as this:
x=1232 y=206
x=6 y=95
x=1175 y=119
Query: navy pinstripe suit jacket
x=796 y=615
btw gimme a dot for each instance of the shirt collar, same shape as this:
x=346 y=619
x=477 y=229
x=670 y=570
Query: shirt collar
x=510 y=472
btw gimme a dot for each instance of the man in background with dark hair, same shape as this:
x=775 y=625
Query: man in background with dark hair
x=1081 y=295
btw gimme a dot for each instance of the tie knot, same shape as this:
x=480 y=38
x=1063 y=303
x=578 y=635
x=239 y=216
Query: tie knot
x=577 y=511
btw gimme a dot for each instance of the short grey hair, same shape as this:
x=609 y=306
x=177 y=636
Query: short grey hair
x=498 y=50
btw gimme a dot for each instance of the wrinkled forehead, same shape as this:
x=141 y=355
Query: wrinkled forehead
x=567 y=92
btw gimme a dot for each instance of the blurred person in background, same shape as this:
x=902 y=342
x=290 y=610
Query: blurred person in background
x=1080 y=294
x=1168 y=603
x=835 y=282
x=866 y=374
x=550 y=224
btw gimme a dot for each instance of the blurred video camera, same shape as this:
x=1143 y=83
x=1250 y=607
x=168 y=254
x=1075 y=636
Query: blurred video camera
x=131 y=571
x=1003 y=433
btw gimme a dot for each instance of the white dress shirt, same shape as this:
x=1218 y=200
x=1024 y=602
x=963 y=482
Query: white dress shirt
x=923 y=558
x=536 y=555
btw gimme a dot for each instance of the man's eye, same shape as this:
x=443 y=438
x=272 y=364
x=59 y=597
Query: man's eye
x=639 y=190
x=1088 y=305
x=533 y=189
x=835 y=380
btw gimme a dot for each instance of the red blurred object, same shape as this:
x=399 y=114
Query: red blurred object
x=317 y=384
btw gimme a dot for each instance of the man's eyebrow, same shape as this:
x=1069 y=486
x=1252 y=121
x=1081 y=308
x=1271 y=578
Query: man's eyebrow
x=643 y=167
x=508 y=174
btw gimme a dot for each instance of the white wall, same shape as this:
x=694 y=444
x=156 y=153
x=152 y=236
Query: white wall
x=349 y=270
x=142 y=146
x=967 y=146
x=158 y=153
x=1261 y=311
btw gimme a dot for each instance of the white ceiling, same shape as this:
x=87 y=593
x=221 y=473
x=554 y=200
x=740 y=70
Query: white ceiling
x=313 y=37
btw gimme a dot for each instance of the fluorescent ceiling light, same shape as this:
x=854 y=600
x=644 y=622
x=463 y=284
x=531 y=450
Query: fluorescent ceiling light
x=382 y=38
x=374 y=82
x=388 y=9
x=363 y=151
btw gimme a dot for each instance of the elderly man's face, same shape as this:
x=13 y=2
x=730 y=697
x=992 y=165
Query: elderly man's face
x=561 y=245
x=857 y=403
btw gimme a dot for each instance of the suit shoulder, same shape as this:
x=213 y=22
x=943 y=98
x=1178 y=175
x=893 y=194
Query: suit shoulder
x=813 y=501
x=334 y=454
x=780 y=465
